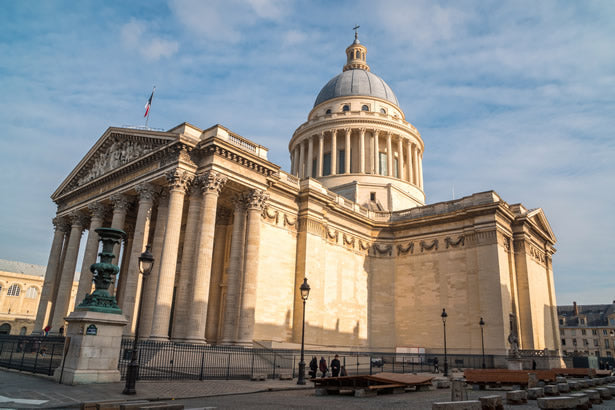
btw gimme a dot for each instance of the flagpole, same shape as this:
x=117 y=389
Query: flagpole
x=150 y=107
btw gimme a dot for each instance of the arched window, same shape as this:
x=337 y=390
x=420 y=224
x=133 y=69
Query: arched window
x=5 y=329
x=346 y=107
x=328 y=111
x=23 y=331
x=365 y=108
x=31 y=293
x=383 y=111
x=14 y=290
x=358 y=54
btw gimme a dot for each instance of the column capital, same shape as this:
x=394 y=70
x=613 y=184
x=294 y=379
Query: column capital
x=61 y=224
x=78 y=218
x=98 y=210
x=147 y=191
x=239 y=202
x=211 y=182
x=348 y=131
x=362 y=130
x=179 y=179
x=256 y=199
x=121 y=202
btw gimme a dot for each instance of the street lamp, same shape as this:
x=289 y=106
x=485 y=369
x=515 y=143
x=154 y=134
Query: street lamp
x=482 y=339
x=444 y=315
x=146 y=262
x=305 y=292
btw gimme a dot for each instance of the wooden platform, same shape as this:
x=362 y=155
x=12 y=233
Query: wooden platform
x=371 y=385
x=494 y=377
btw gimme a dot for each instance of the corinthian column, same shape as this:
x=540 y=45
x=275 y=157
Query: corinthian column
x=184 y=284
x=65 y=287
x=217 y=267
x=51 y=274
x=347 y=151
x=233 y=280
x=121 y=205
x=310 y=156
x=376 y=154
x=400 y=158
x=420 y=164
x=409 y=161
x=415 y=167
x=333 y=152
x=255 y=202
x=179 y=180
x=389 y=155
x=132 y=285
x=151 y=284
x=301 y=160
x=321 y=143
x=362 y=150
x=98 y=211
x=211 y=184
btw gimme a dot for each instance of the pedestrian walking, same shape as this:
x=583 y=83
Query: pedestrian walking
x=436 y=369
x=313 y=367
x=335 y=366
x=322 y=366
x=47 y=329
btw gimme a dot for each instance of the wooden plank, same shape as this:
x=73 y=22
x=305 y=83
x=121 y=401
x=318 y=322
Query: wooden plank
x=386 y=386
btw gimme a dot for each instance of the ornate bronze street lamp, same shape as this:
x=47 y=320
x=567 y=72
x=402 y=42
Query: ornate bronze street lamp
x=444 y=315
x=146 y=262
x=305 y=292
x=482 y=339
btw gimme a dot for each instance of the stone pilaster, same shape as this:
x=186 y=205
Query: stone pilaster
x=217 y=268
x=333 y=152
x=211 y=184
x=310 y=155
x=131 y=288
x=179 y=181
x=184 y=284
x=347 y=151
x=78 y=221
x=409 y=162
x=98 y=212
x=389 y=155
x=151 y=284
x=362 y=150
x=376 y=154
x=321 y=142
x=256 y=200
x=51 y=275
x=400 y=158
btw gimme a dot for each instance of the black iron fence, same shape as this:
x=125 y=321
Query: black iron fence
x=36 y=354
x=180 y=361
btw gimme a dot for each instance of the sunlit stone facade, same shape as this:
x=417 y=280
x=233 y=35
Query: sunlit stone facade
x=233 y=236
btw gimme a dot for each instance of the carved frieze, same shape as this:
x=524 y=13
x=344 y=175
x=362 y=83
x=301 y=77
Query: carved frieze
x=332 y=234
x=271 y=215
x=364 y=245
x=428 y=247
x=348 y=240
x=403 y=250
x=290 y=221
x=382 y=249
x=454 y=244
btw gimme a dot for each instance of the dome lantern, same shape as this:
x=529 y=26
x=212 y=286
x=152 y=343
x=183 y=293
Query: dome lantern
x=356 y=55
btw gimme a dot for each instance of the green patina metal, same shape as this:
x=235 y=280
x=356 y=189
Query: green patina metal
x=104 y=271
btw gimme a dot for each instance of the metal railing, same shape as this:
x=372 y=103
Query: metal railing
x=181 y=361
x=35 y=354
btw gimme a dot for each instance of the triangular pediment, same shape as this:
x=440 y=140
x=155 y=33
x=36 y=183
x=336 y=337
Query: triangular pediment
x=116 y=148
x=538 y=218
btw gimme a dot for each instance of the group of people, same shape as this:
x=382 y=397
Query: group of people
x=336 y=367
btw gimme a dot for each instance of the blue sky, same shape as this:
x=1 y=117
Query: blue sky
x=517 y=97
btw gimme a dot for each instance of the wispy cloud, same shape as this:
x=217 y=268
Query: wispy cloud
x=136 y=37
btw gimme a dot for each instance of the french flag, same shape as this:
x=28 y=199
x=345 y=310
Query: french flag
x=149 y=103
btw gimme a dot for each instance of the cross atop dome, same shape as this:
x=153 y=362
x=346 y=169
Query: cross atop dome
x=355 y=54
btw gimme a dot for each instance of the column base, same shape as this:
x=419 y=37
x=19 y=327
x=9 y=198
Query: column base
x=192 y=341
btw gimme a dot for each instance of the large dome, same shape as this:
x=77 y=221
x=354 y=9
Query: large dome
x=356 y=82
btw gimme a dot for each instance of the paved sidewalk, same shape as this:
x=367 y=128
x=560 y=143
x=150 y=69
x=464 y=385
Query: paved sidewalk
x=24 y=386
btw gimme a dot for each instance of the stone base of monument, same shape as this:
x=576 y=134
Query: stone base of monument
x=94 y=340
x=514 y=364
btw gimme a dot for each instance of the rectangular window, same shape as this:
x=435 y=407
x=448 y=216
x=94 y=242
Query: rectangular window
x=573 y=332
x=561 y=321
x=594 y=332
x=341 y=161
x=612 y=322
x=383 y=163
x=608 y=354
x=582 y=321
x=563 y=332
x=595 y=342
x=604 y=332
x=372 y=196
x=597 y=353
x=563 y=342
x=606 y=343
x=585 y=342
x=583 y=332
x=574 y=342
x=395 y=167
x=326 y=164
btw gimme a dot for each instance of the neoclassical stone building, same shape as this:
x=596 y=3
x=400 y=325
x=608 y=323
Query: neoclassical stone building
x=233 y=236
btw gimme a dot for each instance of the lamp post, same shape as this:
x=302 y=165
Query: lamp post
x=482 y=339
x=305 y=292
x=444 y=315
x=146 y=262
